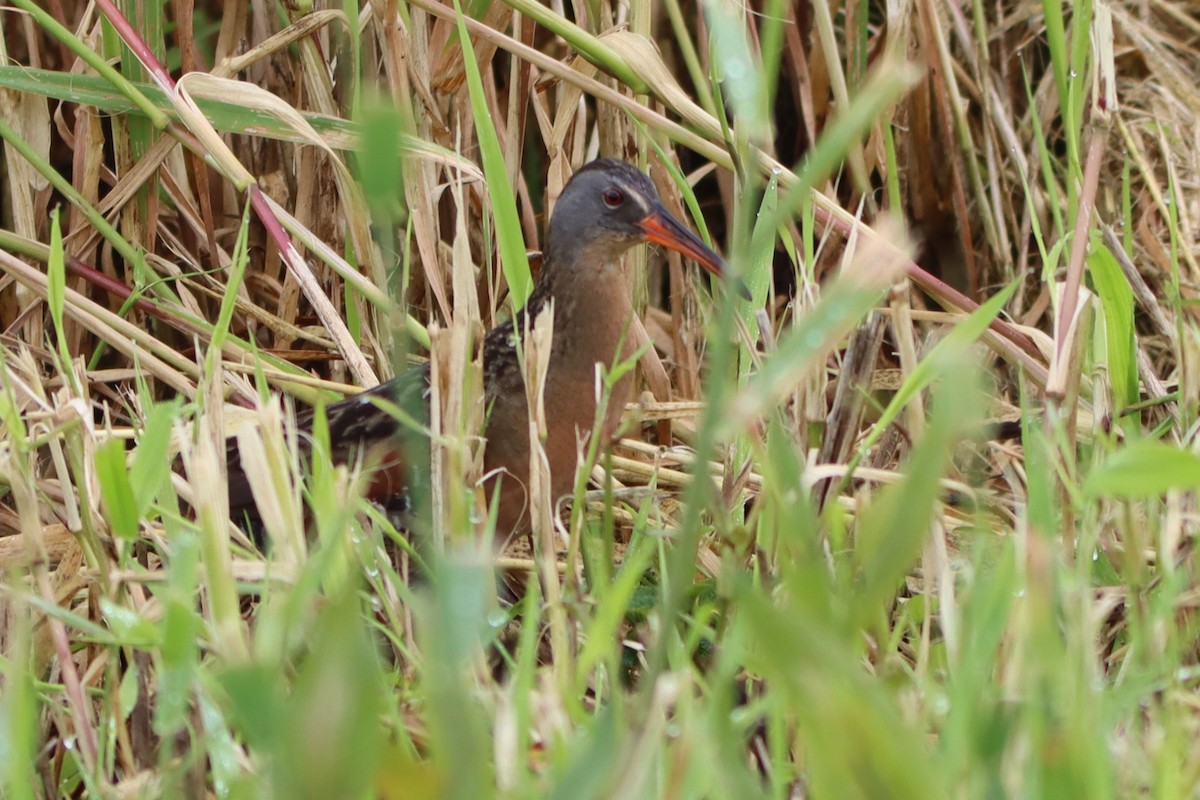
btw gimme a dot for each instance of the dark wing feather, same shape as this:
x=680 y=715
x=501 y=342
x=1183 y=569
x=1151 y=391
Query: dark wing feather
x=355 y=424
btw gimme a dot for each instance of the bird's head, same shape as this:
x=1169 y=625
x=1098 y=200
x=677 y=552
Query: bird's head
x=609 y=206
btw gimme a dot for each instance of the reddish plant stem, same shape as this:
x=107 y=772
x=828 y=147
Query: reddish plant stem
x=944 y=293
x=114 y=287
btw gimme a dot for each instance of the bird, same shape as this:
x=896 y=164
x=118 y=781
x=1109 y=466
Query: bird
x=607 y=207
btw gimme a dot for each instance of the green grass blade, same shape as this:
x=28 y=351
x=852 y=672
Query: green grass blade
x=509 y=236
x=1145 y=468
x=115 y=489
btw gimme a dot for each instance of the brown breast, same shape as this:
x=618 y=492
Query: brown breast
x=570 y=401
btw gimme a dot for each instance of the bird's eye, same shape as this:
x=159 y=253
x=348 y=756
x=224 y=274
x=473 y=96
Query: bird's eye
x=613 y=197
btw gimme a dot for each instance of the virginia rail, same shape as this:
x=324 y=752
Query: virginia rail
x=606 y=208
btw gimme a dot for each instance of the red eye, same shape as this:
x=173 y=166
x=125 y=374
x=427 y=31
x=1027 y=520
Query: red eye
x=613 y=197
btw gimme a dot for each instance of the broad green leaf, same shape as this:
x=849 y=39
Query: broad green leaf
x=762 y=255
x=1116 y=300
x=1145 y=468
x=150 y=467
x=255 y=703
x=130 y=627
x=115 y=489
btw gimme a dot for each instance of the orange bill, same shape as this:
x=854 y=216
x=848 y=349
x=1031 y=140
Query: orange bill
x=662 y=228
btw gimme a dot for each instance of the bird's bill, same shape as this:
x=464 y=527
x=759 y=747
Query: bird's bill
x=661 y=228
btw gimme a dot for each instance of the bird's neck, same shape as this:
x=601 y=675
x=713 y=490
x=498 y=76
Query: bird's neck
x=592 y=315
x=591 y=307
